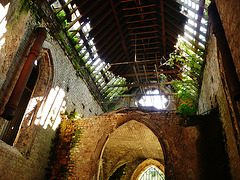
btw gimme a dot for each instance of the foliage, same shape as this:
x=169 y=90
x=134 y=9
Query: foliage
x=73 y=115
x=29 y=5
x=68 y=134
x=25 y=7
x=113 y=107
x=187 y=89
x=61 y=15
x=207 y=2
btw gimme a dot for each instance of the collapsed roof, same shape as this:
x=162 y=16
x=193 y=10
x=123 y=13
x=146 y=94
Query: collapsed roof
x=126 y=43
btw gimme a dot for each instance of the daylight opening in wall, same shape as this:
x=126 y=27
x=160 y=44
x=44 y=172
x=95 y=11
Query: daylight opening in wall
x=49 y=113
x=154 y=98
x=152 y=173
x=3 y=22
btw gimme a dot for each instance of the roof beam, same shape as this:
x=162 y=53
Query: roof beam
x=119 y=29
x=142 y=20
x=139 y=14
x=200 y=15
x=146 y=44
x=140 y=27
x=151 y=73
x=137 y=7
x=163 y=29
x=141 y=84
x=145 y=32
x=150 y=37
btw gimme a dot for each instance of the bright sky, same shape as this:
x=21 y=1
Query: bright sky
x=3 y=22
x=158 y=101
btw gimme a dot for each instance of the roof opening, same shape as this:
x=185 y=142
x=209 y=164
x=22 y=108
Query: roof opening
x=153 y=98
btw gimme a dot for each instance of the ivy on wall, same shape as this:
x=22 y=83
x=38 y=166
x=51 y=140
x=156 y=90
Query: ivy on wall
x=67 y=136
x=188 y=88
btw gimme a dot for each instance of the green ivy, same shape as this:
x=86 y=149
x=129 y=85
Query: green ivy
x=61 y=15
x=188 y=88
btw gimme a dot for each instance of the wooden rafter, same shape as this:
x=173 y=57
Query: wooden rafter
x=119 y=29
x=163 y=28
x=151 y=73
x=141 y=84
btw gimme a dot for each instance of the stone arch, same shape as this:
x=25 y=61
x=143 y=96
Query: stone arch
x=128 y=145
x=144 y=165
x=37 y=100
x=180 y=158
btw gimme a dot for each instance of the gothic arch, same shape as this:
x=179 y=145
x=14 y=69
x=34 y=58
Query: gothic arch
x=165 y=125
x=129 y=144
x=144 y=165
x=36 y=102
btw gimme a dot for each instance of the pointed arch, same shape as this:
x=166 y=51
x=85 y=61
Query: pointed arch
x=141 y=168
x=129 y=144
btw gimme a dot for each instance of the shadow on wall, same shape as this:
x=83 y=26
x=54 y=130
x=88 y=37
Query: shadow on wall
x=212 y=156
x=43 y=108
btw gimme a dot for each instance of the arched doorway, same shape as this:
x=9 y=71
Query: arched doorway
x=127 y=147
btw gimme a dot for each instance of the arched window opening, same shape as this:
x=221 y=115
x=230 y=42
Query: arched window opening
x=12 y=128
x=153 y=98
x=152 y=173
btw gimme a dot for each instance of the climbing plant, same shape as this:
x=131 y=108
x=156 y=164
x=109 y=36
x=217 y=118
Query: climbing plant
x=188 y=88
x=67 y=137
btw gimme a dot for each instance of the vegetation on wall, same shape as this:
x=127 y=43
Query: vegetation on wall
x=28 y=5
x=67 y=136
x=188 y=88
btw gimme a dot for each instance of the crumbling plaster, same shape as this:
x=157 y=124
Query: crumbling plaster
x=215 y=94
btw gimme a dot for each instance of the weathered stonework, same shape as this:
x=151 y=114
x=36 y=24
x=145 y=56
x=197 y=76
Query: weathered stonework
x=164 y=124
x=28 y=157
x=183 y=159
x=13 y=52
x=77 y=95
x=214 y=93
x=229 y=12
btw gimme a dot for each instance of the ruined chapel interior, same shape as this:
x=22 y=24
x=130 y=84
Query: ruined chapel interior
x=119 y=89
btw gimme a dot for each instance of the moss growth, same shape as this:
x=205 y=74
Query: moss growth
x=68 y=134
x=73 y=115
x=29 y=5
x=26 y=5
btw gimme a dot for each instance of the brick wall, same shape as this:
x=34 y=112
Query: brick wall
x=180 y=158
x=229 y=12
x=214 y=93
x=58 y=89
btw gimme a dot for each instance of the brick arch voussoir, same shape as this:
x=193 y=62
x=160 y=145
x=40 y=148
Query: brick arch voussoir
x=157 y=122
